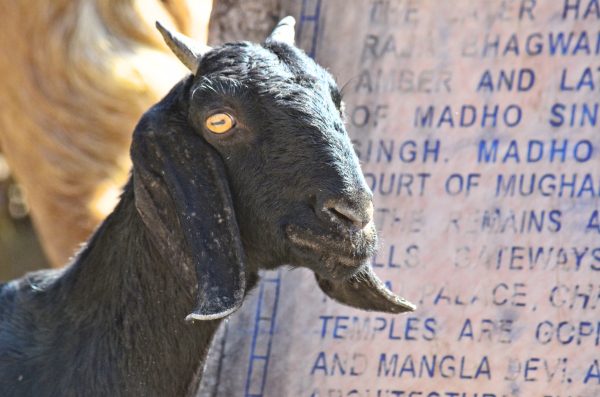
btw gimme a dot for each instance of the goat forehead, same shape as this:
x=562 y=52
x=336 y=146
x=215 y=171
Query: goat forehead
x=279 y=77
x=266 y=66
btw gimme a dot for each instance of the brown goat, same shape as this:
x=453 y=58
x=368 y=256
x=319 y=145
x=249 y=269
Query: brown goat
x=76 y=76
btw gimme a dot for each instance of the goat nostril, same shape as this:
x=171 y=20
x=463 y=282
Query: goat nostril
x=341 y=215
x=357 y=217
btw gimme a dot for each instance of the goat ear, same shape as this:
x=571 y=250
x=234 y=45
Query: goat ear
x=187 y=50
x=364 y=290
x=183 y=197
x=283 y=32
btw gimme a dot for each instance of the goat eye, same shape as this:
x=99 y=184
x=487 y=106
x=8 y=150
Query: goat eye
x=220 y=123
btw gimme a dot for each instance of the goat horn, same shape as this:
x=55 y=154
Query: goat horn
x=284 y=31
x=189 y=52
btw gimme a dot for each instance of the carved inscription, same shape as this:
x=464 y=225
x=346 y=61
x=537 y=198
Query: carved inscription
x=477 y=125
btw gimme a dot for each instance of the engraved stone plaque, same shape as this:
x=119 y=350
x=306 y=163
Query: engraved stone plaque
x=477 y=123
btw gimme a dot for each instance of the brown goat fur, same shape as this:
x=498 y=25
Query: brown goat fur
x=76 y=76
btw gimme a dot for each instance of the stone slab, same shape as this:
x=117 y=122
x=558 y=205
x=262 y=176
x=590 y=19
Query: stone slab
x=477 y=125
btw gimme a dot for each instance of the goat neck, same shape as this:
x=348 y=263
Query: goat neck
x=130 y=303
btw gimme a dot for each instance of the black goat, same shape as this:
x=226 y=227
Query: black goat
x=243 y=165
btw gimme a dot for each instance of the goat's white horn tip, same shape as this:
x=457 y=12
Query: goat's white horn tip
x=284 y=31
x=289 y=20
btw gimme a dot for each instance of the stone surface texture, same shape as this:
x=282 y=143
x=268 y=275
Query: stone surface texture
x=476 y=123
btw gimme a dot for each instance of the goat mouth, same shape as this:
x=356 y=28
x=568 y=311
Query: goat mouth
x=340 y=255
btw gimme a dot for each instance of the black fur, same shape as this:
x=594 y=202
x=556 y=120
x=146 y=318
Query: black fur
x=111 y=324
x=292 y=157
x=200 y=215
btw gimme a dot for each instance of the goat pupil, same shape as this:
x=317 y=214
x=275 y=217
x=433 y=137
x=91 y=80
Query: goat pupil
x=220 y=122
